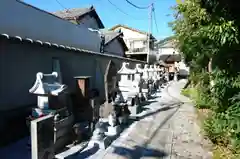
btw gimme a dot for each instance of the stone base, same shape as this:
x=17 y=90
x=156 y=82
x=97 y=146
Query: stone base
x=145 y=95
x=123 y=120
x=113 y=130
x=73 y=149
x=134 y=110
x=103 y=144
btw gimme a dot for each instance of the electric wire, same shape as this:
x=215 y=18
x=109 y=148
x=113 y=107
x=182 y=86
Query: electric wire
x=138 y=7
x=61 y=4
x=120 y=10
x=155 y=19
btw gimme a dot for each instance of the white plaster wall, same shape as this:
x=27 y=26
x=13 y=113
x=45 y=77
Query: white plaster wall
x=138 y=44
x=130 y=35
x=18 y=19
x=114 y=48
x=167 y=51
x=89 y=22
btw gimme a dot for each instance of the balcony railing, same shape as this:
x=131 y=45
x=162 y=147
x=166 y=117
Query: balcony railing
x=144 y=49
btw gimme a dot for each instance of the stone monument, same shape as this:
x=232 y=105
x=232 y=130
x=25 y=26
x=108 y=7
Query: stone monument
x=99 y=136
x=110 y=83
x=42 y=137
x=48 y=87
x=145 y=89
x=114 y=127
x=139 y=80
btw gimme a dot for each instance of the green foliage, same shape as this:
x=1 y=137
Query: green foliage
x=207 y=35
x=224 y=128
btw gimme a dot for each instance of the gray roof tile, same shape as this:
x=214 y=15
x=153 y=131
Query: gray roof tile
x=109 y=35
x=71 y=13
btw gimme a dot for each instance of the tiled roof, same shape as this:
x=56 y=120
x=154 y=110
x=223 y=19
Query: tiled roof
x=31 y=41
x=167 y=44
x=111 y=35
x=77 y=13
x=72 y=13
x=130 y=28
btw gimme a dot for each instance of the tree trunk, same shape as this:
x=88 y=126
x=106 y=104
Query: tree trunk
x=211 y=82
x=210 y=66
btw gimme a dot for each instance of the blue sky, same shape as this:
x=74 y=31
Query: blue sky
x=111 y=16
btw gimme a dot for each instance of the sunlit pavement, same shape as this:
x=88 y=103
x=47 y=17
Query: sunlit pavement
x=166 y=129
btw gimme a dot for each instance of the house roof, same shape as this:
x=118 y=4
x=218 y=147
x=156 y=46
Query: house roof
x=168 y=42
x=111 y=35
x=170 y=57
x=133 y=29
x=165 y=40
x=78 y=13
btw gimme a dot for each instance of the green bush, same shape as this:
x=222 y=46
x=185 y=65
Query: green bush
x=199 y=90
x=224 y=127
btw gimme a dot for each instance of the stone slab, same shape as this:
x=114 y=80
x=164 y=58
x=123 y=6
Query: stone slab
x=134 y=110
x=42 y=137
x=71 y=151
x=113 y=130
x=103 y=144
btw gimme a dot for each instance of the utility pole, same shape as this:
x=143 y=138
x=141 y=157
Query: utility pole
x=149 y=31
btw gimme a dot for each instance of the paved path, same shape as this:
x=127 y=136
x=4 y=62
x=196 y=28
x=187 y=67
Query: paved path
x=166 y=130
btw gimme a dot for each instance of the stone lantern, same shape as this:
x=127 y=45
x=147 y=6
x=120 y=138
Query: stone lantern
x=126 y=85
x=151 y=81
x=138 y=78
x=157 y=72
x=47 y=86
x=145 y=72
x=50 y=94
x=156 y=76
x=151 y=72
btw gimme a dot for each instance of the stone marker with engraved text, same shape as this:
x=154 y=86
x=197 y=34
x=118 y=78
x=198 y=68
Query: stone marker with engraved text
x=42 y=137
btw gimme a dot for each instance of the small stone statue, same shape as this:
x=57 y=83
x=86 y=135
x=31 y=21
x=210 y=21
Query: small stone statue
x=77 y=135
x=98 y=133
x=124 y=114
x=112 y=119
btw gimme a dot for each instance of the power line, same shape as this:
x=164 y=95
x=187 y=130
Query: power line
x=138 y=7
x=61 y=4
x=155 y=20
x=120 y=10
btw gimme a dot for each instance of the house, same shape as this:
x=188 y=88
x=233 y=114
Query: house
x=53 y=30
x=167 y=50
x=114 y=43
x=169 y=54
x=87 y=17
x=137 y=43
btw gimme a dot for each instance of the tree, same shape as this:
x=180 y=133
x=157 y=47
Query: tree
x=201 y=35
x=208 y=39
x=207 y=33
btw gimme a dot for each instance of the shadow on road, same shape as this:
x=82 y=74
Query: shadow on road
x=142 y=150
x=164 y=108
x=138 y=152
x=145 y=103
x=87 y=153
